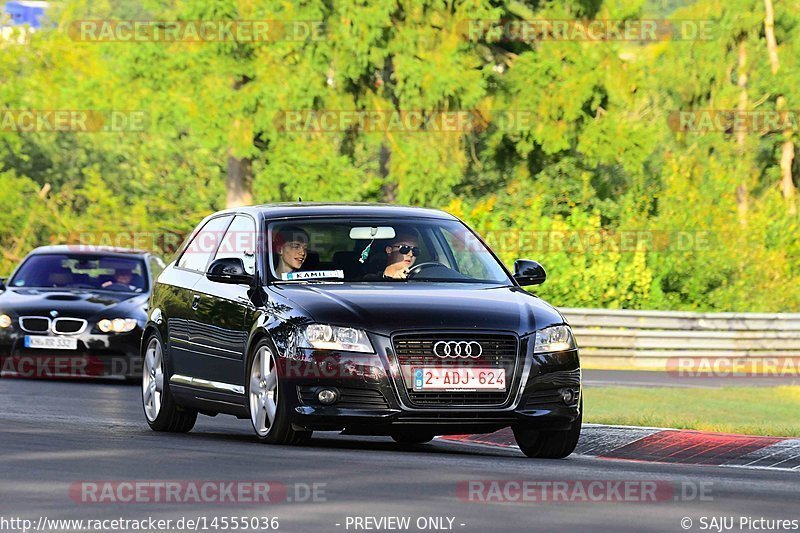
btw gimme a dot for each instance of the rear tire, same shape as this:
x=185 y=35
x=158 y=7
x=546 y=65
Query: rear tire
x=549 y=444
x=160 y=409
x=268 y=399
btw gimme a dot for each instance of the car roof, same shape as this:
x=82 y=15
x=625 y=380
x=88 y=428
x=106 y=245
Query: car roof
x=296 y=209
x=88 y=249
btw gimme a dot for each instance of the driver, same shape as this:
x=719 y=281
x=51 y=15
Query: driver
x=401 y=253
x=291 y=245
x=122 y=280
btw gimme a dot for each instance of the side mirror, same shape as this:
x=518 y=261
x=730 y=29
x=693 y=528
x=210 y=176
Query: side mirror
x=528 y=272
x=229 y=270
x=3 y=284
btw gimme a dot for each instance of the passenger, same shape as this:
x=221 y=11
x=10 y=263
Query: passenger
x=291 y=246
x=401 y=253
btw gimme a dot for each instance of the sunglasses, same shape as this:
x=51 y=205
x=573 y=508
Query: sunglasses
x=404 y=249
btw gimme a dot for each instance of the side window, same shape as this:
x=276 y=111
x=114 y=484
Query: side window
x=439 y=251
x=197 y=255
x=156 y=267
x=240 y=241
x=467 y=251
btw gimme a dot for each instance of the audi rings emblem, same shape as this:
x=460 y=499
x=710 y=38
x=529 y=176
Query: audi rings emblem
x=444 y=349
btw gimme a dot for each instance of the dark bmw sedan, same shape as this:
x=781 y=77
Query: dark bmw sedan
x=366 y=319
x=76 y=311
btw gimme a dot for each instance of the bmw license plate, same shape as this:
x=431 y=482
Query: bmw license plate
x=459 y=379
x=51 y=343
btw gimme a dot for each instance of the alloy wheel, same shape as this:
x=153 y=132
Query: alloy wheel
x=263 y=391
x=153 y=379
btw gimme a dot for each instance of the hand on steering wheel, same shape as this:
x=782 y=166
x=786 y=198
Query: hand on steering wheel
x=414 y=270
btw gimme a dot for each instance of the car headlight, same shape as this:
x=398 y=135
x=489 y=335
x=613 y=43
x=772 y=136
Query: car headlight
x=5 y=321
x=325 y=337
x=554 y=339
x=116 y=325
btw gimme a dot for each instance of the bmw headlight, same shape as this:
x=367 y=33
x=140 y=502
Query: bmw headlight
x=554 y=339
x=5 y=321
x=325 y=337
x=116 y=325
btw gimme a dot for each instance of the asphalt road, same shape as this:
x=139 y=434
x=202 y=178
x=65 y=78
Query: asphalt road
x=55 y=436
x=647 y=378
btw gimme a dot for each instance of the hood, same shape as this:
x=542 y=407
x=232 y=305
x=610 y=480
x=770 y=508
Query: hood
x=393 y=307
x=76 y=303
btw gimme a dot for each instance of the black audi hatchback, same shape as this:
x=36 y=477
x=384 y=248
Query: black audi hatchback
x=76 y=311
x=366 y=319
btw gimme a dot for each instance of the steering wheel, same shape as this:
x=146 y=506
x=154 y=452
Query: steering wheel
x=416 y=269
x=117 y=286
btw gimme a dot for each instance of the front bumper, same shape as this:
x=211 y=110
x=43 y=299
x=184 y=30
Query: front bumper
x=374 y=400
x=98 y=356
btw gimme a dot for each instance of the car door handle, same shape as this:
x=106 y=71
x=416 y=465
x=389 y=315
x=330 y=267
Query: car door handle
x=195 y=301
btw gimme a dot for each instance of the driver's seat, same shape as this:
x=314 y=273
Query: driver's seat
x=376 y=261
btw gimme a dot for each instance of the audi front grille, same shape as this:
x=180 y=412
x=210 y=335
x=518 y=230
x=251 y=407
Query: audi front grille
x=450 y=349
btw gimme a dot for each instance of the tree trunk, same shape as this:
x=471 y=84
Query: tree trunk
x=239 y=174
x=787 y=150
x=238 y=181
x=787 y=184
x=769 y=33
x=388 y=189
x=787 y=158
x=742 y=194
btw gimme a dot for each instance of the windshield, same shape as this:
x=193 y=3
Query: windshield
x=392 y=250
x=80 y=271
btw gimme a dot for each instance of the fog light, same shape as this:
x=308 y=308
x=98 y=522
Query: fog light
x=327 y=396
x=568 y=396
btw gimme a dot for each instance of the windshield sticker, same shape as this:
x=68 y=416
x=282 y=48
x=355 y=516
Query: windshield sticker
x=313 y=274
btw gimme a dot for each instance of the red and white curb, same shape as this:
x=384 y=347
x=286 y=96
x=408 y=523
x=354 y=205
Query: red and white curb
x=662 y=445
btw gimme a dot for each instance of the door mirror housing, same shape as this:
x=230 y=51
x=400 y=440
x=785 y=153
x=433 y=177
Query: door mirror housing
x=229 y=270
x=528 y=272
x=3 y=284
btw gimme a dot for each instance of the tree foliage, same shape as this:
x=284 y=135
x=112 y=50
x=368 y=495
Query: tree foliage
x=598 y=163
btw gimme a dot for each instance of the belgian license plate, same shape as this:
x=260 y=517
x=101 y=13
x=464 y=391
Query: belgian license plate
x=459 y=379
x=51 y=343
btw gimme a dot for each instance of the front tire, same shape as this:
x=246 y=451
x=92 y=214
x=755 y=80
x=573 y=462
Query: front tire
x=160 y=409
x=549 y=444
x=268 y=399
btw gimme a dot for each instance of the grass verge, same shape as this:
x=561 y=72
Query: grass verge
x=747 y=410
